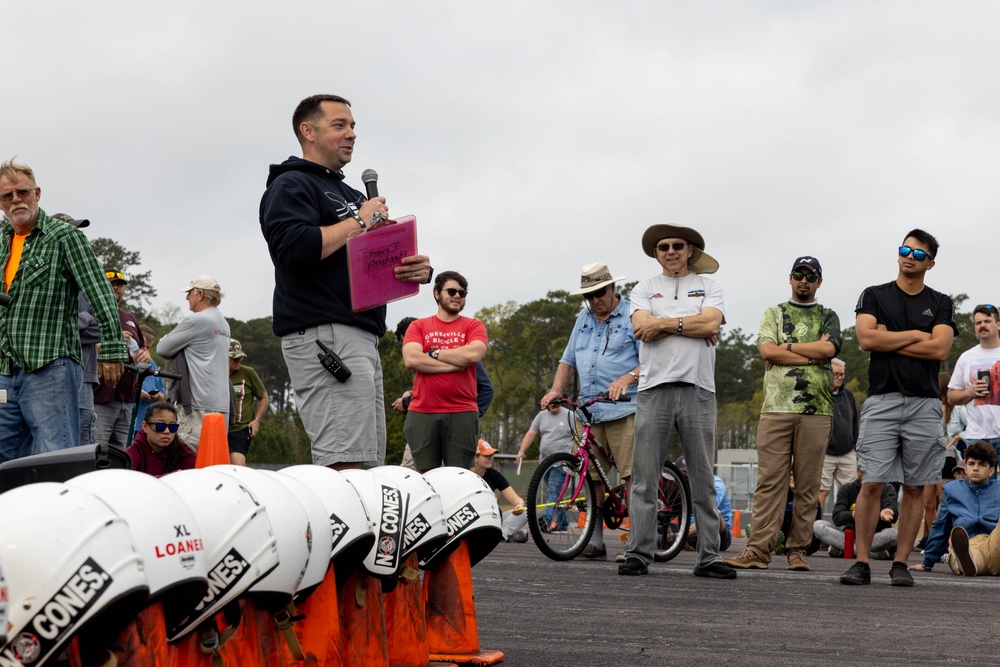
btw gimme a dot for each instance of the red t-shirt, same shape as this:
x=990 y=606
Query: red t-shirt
x=445 y=392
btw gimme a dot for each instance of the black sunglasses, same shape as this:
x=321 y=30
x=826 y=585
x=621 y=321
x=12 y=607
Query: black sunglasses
x=810 y=277
x=460 y=292
x=677 y=246
x=590 y=296
x=160 y=427
x=918 y=255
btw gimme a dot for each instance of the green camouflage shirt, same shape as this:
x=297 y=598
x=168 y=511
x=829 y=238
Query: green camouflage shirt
x=807 y=389
x=40 y=324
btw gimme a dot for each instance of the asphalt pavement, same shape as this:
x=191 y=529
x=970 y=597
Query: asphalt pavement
x=545 y=613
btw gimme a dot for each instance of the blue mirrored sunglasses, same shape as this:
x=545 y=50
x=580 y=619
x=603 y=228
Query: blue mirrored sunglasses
x=918 y=255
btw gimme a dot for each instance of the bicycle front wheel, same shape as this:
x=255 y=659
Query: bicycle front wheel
x=561 y=506
x=673 y=513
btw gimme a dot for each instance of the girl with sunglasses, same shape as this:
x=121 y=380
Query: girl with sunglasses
x=157 y=449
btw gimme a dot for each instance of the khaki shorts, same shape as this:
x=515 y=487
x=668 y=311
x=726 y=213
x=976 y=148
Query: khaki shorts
x=619 y=437
x=843 y=469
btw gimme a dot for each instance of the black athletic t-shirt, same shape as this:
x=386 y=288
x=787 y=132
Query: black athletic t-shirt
x=899 y=311
x=495 y=479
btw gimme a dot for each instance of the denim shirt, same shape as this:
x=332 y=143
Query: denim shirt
x=601 y=353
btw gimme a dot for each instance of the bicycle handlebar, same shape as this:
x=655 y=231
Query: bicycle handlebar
x=600 y=398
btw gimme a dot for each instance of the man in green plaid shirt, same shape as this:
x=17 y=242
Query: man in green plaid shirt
x=46 y=263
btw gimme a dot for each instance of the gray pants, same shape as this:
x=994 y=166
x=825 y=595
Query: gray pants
x=692 y=410
x=832 y=535
x=88 y=418
x=113 y=419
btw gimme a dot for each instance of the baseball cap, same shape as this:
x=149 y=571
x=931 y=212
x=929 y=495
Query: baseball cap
x=483 y=448
x=235 y=349
x=116 y=277
x=203 y=282
x=810 y=263
x=66 y=217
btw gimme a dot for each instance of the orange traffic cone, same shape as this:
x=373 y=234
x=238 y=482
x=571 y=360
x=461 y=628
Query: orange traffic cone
x=319 y=628
x=405 y=625
x=581 y=520
x=737 y=526
x=257 y=640
x=201 y=647
x=213 y=446
x=362 y=622
x=452 y=633
x=142 y=642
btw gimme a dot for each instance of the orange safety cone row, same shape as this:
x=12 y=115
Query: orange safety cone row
x=737 y=526
x=452 y=633
x=318 y=627
x=405 y=624
x=256 y=641
x=143 y=641
x=362 y=622
x=200 y=648
x=213 y=445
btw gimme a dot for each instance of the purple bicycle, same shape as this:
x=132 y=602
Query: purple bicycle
x=561 y=501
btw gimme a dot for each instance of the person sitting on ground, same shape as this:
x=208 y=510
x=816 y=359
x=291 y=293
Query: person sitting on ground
x=968 y=515
x=831 y=533
x=514 y=522
x=157 y=448
x=722 y=506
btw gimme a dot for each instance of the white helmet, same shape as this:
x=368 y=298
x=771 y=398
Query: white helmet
x=73 y=566
x=387 y=505
x=290 y=525
x=320 y=534
x=239 y=546
x=425 y=529
x=471 y=513
x=353 y=532
x=165 y=531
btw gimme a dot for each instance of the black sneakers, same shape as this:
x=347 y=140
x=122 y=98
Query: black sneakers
x=716 y=570
x=632 y=567
x=899 y=575
x=858 y=575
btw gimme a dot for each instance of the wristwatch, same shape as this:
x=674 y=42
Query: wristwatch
x=360 y=221
x=789 y=347
x=433 y=354
x=634 y=377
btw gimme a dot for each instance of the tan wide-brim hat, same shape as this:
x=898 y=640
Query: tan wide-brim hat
x=594 y=277
x=700 y=261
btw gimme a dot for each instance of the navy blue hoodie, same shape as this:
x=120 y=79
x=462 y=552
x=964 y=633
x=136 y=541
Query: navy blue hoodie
x=301 y=197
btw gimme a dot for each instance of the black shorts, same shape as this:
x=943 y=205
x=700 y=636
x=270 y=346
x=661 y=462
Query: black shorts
x=239 y=441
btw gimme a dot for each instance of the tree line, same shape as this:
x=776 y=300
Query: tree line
x=526 y=343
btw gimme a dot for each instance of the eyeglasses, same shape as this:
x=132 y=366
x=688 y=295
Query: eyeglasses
x=597 y=294
x=160 y=427
x=114 y=275
x=839 y=375
x=810 y=277
x=460 y=292
x=23 y=193
x=677 y=246
x=918 y=255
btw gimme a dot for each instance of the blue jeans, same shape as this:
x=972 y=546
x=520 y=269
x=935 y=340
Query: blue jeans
x=554 y=479
x=42 y=412
x=658 y=410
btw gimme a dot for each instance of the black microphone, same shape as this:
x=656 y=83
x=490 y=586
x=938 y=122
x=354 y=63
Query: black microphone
x=370 y=178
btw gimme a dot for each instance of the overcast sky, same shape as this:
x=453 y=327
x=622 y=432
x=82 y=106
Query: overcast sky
x=529 y=138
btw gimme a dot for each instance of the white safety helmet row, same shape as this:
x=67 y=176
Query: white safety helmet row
x=104 y=545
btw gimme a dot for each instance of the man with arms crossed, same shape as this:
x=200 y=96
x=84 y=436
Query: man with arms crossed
x=797 y=339
x=306 y=215
x=676 y=315
x=976 y=380
x=442 y=423
x=908 y=328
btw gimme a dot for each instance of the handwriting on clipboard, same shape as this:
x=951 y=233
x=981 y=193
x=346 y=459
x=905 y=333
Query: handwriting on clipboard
x=372 y=257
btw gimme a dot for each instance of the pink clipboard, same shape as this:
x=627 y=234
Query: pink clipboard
x=372 y=255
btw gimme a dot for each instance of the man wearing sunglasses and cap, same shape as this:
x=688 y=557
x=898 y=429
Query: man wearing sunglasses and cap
x=797 y=340
x=908 y=328
x=976 y=380
x=676 y=315
x=602 y=349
